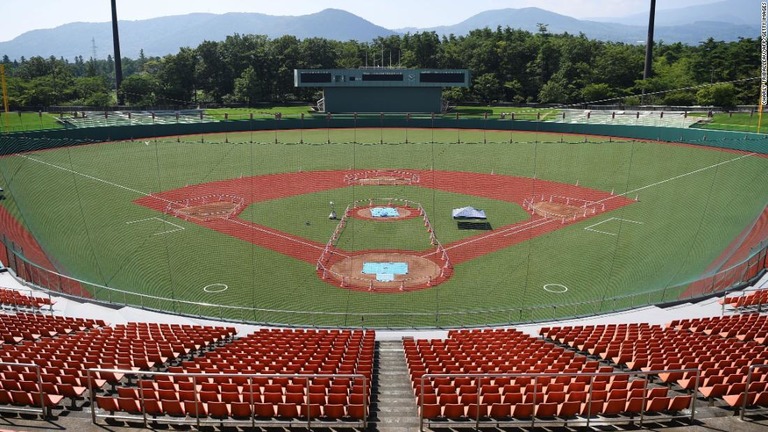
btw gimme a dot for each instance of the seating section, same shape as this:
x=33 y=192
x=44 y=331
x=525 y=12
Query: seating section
x=52 y=354
x=746 y=301
x=744 y=327
x=723 y=363
x=567 y=393
x=20 y=301
x=271 y=374
x=17 y=327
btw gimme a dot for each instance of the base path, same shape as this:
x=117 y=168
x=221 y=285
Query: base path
x=493 y=186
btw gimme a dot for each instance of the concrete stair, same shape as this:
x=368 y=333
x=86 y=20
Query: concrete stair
x=393 y=406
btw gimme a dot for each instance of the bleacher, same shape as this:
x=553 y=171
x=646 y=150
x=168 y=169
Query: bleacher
x=267 y=377
x=503 y=376
x=719 y=364
x=752 y=300
x=16 y=300
x=203 y=375
x=90 y=119
x=678 y=119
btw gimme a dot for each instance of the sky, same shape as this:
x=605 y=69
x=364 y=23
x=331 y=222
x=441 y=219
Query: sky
x=20 y=16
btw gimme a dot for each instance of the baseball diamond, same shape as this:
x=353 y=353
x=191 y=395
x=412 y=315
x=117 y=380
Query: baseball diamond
x=619 y=222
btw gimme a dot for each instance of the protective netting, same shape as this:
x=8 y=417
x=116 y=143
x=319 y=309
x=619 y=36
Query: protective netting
x=232 y=225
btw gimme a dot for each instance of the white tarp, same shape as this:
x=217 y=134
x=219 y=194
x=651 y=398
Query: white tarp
x=468 y=213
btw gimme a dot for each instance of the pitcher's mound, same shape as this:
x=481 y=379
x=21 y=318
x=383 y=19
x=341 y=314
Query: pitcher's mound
x=422 y=272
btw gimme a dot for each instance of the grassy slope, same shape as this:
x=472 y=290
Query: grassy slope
x=741 y=122
x=685 y=222
x=27 y=121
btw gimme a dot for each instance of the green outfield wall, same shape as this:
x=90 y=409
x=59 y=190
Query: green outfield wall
x=28 y=141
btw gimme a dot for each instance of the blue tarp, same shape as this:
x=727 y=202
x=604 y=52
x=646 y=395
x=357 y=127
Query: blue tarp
x=384 y=212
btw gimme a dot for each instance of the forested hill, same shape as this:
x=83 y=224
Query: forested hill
x=506 y=66
x=722 y=21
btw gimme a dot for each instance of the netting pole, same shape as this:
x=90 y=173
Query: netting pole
x=5 y=96
x=763 y=62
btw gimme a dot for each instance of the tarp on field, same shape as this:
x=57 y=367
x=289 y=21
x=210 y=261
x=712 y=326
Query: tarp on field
x=468 y=213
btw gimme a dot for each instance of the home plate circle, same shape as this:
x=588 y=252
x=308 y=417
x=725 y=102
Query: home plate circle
x=215 y=288
x=555 y=288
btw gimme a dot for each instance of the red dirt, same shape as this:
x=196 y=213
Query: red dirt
x=32 y=250
x=498 y=187
x=423 y=272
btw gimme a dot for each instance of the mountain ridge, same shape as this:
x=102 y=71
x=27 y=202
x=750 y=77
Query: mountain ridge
x=166 y=35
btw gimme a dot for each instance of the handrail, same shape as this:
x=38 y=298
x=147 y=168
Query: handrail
x=746 y=387
x=42 y=393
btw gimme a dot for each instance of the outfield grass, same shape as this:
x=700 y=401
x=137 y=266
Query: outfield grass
x=692 y=202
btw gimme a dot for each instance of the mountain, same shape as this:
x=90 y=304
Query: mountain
x=700 y=27
x=723 y=20
x=741 y=12
x=161 y=36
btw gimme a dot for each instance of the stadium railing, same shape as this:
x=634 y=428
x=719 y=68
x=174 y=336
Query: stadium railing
x=734 y=277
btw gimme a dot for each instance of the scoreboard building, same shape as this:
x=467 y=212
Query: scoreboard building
x=375 y=90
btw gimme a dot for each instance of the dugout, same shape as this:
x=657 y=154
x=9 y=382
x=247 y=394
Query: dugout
x=377 y=90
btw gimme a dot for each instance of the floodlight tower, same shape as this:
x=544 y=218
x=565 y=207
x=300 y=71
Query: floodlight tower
x=648 y=71
x=118 y=59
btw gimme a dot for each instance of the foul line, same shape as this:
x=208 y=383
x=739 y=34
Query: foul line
x=136 y=191
x=178 y=227
x=591 y=227
x=681 y=176
x=89 y=176
x=515 y=229
x=539 y=222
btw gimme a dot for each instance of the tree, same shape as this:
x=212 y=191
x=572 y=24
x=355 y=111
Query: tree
x=92 y=91
x=248 y=87
x=721 y=95
x=487 y=88
x=597 y=92
x=139 y=90
x=554 y=91
x=177 y=77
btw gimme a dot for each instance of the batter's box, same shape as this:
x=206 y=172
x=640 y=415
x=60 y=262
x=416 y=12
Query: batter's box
x=174 y=228
x=604 y=230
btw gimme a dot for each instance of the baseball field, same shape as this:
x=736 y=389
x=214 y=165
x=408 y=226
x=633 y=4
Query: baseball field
x=236 y=225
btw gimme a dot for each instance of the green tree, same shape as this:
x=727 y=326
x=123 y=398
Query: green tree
x=139 y=90
x=247 y=87
x=721 y=95
x=487 y=88
x=597 y=92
